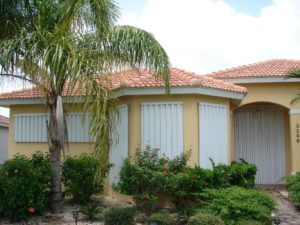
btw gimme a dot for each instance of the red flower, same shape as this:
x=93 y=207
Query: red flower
x=31 y=210
x=175 y=171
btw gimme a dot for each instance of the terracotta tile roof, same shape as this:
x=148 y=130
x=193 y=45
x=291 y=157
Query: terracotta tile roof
x=270 y=68
x=140 y=79
x=4 y=120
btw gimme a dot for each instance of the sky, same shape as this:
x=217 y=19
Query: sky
x=208 y=35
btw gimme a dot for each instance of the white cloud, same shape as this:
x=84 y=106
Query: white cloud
x=207 y=35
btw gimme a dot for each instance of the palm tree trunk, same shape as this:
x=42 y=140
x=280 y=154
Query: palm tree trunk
x=55 y=148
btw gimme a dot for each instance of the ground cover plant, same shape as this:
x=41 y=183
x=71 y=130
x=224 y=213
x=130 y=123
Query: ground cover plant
x=236 y=203
x=293 y=184
x=119 y=216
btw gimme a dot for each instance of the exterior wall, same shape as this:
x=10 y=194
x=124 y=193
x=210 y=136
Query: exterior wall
x=190 y=119
x=3 y=144
x=190 y=124
x=190 y=127
x=281 y=94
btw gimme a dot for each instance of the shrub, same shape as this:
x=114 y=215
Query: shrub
x=78 y=177
x=160 y=218
x=293 y=183
x=242 y=174
x=233 y=204
x=205 y=219
x=92 y=212
x=149 y=158
x=119 y=216
x=249 y=222
x=24 y=186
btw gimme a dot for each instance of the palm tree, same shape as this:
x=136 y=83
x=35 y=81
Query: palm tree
x=68 y=45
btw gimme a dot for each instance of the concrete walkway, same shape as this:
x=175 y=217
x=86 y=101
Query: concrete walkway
x=288 y=214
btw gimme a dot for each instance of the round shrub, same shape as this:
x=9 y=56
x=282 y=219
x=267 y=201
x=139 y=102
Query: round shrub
x=249 y=222
x=24 y=186
x=78 y=177
x=119 y=216
x=205 y=219
x=235 y=203
x=160 y=218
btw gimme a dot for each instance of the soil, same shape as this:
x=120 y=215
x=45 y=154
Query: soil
x=286 y=210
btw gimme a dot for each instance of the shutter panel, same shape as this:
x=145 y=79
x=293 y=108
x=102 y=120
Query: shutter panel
x=30 y=128
x=77 y=131
x=213 y=120
x=162 y=127
x=119 y=148
x=260 y=139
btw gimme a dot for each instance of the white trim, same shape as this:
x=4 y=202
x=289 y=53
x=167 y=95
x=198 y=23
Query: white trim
x=180 y=90
x=294 y=111
x=4 y=125
x=250 y=80
x=136 y=91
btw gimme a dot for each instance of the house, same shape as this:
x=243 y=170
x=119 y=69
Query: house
x=4 y=124
x=242 y=112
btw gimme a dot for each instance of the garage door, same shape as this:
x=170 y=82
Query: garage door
x=259 y=138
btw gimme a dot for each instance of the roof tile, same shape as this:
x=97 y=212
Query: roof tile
x=270 y=68
x=140 y=79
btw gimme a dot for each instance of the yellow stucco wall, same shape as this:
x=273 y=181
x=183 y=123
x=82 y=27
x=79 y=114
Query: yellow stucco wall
x=278 y=93
x=190 y=124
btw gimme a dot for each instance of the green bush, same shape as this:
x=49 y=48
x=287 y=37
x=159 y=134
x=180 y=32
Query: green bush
x=149 y=158
x=78 y=177
x=235 y=203
x=249 y=222
x=92 y=212
x=242 y=174
x=160 y=218
x=149 y=176
x=293 y=184
x=119 y=216
x=205 y=219
x=24 y=186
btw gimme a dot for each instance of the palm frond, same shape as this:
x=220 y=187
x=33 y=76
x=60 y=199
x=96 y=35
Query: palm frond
x=134 y=47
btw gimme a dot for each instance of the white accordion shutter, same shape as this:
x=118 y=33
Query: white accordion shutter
x=33 y=128
x=119 y=148
x=259 y=138
x=162 y=127
x=213 y=140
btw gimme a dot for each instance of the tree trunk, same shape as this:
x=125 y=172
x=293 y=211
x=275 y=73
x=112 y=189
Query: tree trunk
x=55 y=148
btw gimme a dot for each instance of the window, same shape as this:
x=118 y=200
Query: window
x=213 y=120
x=162 y=127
